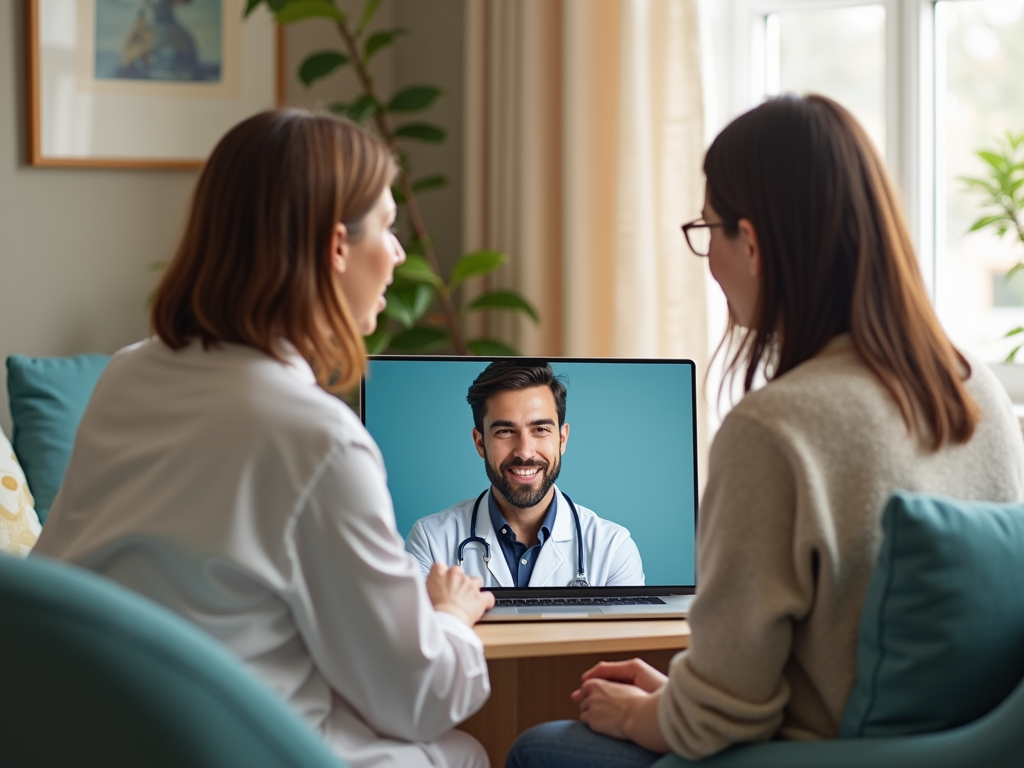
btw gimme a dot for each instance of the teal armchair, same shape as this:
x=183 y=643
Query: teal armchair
x=939 y=656
x=994 y=741
x=94 y=675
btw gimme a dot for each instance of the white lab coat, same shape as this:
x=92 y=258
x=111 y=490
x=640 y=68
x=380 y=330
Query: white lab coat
x=230 y=488
x=610 y=555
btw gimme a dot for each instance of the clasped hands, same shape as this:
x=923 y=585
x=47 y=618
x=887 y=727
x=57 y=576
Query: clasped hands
x=620 y=699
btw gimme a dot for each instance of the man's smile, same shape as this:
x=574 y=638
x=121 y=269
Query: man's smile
x=525 y=474
x=524 y=482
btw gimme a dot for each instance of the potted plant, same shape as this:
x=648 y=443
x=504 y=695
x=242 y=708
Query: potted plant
x=422 y=313
x=1002 y=192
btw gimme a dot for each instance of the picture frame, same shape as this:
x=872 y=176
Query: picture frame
x=144 y=83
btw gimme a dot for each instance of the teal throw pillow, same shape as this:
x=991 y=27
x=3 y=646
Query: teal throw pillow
x=942 y=631
x=48 y=396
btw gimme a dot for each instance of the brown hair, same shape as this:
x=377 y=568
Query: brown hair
x=835 y=258
x=502 y=375
x=253 y=264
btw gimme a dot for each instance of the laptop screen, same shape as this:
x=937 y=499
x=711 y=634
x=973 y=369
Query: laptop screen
x=628 y=467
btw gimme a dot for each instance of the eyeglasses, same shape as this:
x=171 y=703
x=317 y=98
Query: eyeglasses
x=698 y=235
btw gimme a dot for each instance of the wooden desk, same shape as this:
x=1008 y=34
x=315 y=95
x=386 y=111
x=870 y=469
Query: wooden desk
x=534 y=666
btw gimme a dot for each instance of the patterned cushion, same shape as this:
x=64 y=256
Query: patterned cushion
x=19 y=526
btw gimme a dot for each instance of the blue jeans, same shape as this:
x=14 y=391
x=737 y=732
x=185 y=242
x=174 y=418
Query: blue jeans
x=571 y=744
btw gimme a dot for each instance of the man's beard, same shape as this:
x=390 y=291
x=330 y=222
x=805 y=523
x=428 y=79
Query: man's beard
x=523 y=497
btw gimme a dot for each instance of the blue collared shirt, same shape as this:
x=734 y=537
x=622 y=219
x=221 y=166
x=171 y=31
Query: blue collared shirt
x=520 y=558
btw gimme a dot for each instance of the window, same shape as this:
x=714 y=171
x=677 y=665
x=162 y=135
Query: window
x=836 y=51
x=979 y=55
x=932 y=81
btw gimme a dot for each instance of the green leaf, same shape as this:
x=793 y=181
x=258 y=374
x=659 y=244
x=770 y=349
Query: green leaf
x=1018 y=330
x=430 y=182
x=509 y=300
x=398 y=194
x=399 y=309
x=997 y=161
x=985 y=221
x=491 y=348
x=320 y=65
x=299 y=10
x=369 y=8
x=408 y=302
x=418 y=339
x=413 y=98
x=250 y=6
x=1012 y=357
x=377 y=341
x=362 y=109
x=381 y=39
x=431 y=134
x=1013 y=271
x=984 y=184
x=422 y=300
x=277 y=5
x=475 y=264
x=417 y=269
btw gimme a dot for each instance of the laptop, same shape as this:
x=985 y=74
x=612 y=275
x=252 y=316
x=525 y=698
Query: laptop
x=629 y=469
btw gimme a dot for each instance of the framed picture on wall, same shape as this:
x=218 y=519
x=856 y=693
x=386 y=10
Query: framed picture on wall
x=144 y=83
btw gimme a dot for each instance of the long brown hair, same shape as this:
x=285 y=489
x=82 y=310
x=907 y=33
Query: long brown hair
x=253 y=265
x=835 y=258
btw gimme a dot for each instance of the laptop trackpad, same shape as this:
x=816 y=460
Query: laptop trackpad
x=559 y=609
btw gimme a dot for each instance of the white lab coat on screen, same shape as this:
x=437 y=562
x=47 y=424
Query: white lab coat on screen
x=227 y=486
x=610 y=555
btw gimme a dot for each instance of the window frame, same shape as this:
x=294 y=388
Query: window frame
x=732 y=41
x=736 y=40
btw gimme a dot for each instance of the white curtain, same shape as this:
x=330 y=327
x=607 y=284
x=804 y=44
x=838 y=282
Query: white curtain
x=513 y=154
x=585 y=137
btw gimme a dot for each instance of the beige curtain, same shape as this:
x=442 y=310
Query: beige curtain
x=584 y=138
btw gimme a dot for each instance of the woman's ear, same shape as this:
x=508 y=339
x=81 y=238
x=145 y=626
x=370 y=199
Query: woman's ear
x=339 y=249
x=753 y=248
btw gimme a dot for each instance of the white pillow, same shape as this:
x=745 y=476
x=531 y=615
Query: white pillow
x=19 y=525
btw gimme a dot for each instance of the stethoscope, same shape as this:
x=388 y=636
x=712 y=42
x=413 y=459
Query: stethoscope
x=581 y=577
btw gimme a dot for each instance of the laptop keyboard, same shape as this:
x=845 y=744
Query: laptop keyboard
x=518 y=602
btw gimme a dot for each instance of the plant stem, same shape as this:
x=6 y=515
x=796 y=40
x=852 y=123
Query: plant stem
x=415 y=217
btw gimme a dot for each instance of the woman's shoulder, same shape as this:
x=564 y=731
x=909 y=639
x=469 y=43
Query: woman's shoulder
x=238 y=387
x=836 y=393
x=985 y=387
x=997 y=417
x=830 y=386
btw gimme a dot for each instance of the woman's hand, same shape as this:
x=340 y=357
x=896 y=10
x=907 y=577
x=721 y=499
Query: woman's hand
x=620 y=699
x=452 y=591
x=634 y=672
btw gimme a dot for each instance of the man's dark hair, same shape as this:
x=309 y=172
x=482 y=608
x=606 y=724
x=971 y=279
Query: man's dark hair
x=502 y=375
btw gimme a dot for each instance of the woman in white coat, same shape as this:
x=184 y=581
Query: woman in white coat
x=213 y=473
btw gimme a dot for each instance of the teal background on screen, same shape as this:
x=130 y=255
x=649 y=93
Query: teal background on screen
x=629 y=457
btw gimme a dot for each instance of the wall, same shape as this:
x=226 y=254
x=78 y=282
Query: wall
x=76 y=245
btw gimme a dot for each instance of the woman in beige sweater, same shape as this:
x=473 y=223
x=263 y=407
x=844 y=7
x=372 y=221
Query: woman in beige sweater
x=865 y=395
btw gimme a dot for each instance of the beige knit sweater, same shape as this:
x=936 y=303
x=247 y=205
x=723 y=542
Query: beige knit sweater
x=788 y=534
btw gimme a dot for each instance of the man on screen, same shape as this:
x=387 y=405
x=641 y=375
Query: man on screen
x=522 y=531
